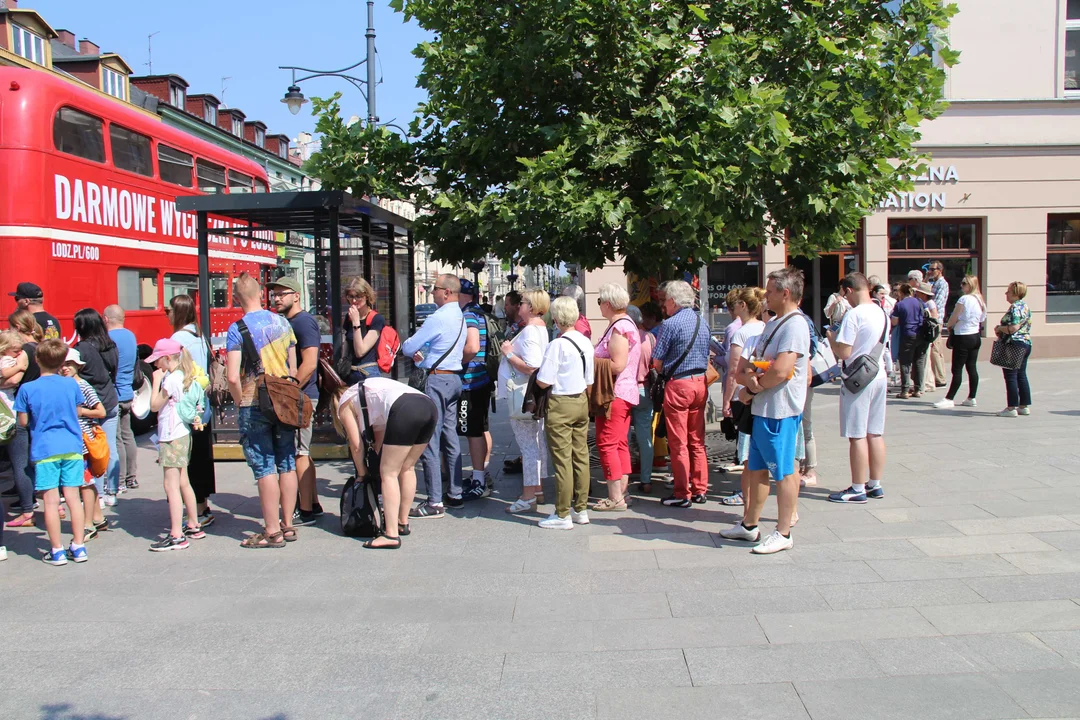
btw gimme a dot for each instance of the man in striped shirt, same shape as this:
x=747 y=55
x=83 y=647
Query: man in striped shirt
x=475 y=401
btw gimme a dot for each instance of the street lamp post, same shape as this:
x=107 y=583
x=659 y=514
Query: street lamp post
x=295 y=99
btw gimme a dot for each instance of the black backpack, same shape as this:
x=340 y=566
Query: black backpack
x=496 y=335
x=361 y=515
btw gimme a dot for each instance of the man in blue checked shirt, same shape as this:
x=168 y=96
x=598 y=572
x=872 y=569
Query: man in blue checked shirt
x=437 y=346
x=686 y=394
x=936 y=275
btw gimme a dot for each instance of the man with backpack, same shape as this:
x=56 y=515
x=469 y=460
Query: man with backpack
x=477 y=382
x=285 y=296
x=127 y=372
x=268 y=341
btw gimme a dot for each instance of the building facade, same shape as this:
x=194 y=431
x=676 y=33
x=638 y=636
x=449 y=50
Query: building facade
x=1001 y=198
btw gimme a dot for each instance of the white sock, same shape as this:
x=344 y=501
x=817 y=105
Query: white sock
x=873 y=484
x=860 y=488
x=478 y=476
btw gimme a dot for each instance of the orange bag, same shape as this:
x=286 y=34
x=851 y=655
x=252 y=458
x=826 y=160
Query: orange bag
x=97 y=451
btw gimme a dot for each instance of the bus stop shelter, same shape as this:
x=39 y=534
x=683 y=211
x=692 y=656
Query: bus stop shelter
x=347 y=236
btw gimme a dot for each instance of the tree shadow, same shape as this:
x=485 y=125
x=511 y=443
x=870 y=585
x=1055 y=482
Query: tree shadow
x=65 y=711
x=1068 y=413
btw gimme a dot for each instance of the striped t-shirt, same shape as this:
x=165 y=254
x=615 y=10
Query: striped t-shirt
x=475 y=373
x=90 y=401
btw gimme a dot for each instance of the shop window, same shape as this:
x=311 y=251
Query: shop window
x=131 y=151
x=1063 y=268
x=175 y=166
x=913 y=245
x=734 y=270
x=79 y=134
x=211 y=177
x=137 y=289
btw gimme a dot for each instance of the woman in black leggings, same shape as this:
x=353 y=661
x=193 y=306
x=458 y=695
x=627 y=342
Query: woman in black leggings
x=403 y=421
x=965 y=340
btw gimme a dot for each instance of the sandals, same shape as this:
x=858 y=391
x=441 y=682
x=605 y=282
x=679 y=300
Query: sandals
x=289 y=534
x=371 y=546
x=733 y=499
x=609 y=505
x=264 y=540
x=24 y=520
x=521 y=506
x=403 y=529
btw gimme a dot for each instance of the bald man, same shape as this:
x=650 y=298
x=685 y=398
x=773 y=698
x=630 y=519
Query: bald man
x=128 y=352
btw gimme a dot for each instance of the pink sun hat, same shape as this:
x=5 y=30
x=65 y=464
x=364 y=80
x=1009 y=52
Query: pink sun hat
x=163 y=348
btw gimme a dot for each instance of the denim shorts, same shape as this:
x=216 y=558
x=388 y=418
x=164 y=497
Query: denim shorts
x=50 y=473
x=269 y=449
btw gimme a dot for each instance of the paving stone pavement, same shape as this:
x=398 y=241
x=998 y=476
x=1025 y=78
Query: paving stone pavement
x=956 y=596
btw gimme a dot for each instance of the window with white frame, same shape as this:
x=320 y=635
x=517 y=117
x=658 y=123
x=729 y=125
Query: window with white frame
x=210 y=113
x=27 y=44
x=260 y=137
x=114 y=83
x=177 y=96
x=1072 y=47
x=237 y=126
x=283 y=149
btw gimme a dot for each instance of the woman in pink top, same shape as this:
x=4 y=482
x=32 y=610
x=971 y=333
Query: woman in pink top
x=621 y=344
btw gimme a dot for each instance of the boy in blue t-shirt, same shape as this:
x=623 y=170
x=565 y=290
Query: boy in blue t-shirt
x=49 y=407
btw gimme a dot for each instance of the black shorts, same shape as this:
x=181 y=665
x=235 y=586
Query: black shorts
x=411 y=421
x=472 y=420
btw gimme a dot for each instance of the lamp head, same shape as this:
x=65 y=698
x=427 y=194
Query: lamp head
x=294 y=99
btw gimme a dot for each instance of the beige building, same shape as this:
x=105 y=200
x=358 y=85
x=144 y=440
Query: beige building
x=1002 y=197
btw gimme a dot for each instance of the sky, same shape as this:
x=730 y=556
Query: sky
x=204 y=41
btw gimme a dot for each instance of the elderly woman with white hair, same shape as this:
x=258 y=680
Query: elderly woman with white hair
x=617 y=357
x=520 y=359
x=582 y=323
x=567 y=369
x=682 y=355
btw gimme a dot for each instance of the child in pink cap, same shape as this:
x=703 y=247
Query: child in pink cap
x=174 y=373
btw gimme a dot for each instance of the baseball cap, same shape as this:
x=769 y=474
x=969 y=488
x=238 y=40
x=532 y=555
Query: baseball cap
x=74 y=356
x=26 y=290
x=163 y=348
x=467 y=288
x=286 y=282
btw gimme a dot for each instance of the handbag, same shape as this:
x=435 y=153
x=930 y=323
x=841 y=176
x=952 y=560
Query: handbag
x=711 y=374
x=659 y=383
x=1007 y=354
x=742 y=416
x=823 y=365
x=863 y=370
x=280 y=399
x=97 y=450
x=418 y=377
x=361 y=515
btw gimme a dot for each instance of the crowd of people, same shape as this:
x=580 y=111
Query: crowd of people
x=647 y=376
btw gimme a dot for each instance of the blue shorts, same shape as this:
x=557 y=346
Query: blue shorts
x=51 y=474
x=772 y=446
x=269 y=449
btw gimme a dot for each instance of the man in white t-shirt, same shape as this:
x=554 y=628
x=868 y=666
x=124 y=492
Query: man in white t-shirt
x=862 y=413
x=776 y=396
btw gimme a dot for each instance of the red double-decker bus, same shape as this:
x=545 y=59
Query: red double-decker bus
x=88 y=189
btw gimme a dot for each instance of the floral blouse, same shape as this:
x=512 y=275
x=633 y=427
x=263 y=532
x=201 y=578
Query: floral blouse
x=1019 y=314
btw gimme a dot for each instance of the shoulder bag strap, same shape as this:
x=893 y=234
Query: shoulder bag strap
x=251 y=355
x=449 y=349
x=759 y=351
x=579 y=352
x=693 y=337
x=880 y=347
x=369 y=432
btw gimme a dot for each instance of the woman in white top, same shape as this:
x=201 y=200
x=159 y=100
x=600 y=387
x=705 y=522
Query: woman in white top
x=748 y=307
x=965 y=339
x=567 y=369
x=521 y=357
x=402 y=421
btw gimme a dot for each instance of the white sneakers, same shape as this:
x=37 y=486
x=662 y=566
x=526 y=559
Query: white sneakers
x=773 y=544
x=1008 y=412
x=1023 y=411
x=554 y=522
x=946 y=403
x=738 y=532
x=970 y=402
x=3 y=553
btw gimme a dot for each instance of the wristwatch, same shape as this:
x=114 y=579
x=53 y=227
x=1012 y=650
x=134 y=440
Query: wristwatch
x=509 y=355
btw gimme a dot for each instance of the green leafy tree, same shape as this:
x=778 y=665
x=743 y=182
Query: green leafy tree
x=662 y=131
